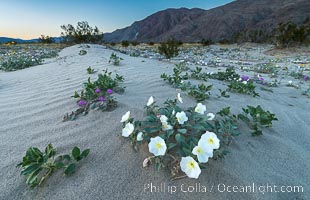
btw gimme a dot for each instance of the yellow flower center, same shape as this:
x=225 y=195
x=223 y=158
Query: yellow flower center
x=158 y=145
x=210 y=141
x=199 y=150
x=191 y=165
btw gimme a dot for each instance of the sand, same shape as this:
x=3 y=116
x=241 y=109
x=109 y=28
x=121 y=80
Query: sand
x=34 y=100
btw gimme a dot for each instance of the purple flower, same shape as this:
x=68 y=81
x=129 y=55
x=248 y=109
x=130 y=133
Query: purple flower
x=82 y=103
x=245 y=78
x=101 y=98
x=261 y=79
x=97 y=90
x=109 y=91
x=306 y=77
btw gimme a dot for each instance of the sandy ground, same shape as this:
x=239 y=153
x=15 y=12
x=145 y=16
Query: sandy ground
x=33 y=101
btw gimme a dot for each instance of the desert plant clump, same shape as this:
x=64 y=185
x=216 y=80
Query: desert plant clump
x=243 y=87
x=97 y=95
x=169 y=49
x=17 y=57
x=206 y=42
x=259 y=117
x=90 y=70
x=37 y=166
x=183 y=140
x=82 y=33
x=115 y=60
x=82 y=52
x=46 y=39
x=125 y=43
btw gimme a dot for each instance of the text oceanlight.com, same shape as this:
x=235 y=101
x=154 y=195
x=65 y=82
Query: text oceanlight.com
x=200 y=188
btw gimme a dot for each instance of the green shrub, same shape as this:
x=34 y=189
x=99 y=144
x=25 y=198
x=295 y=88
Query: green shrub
x=169 y=49
x=82 y=33
x=125 y=43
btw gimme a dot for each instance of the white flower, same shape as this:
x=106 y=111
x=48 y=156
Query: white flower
x=157 y=146
x=125 y=117
x=140 y=136
x=290 y=82
x=180 y=98
x=200 y=108
x=181 y=117
x=244 y=82
x=150 y=101
x=163 y=119
x=203 y=153
x=166 y=126
x=127 y=131
x=190 y=167
x=210 y=116
x=210 y=140
x=240 y=79
x=173 y=112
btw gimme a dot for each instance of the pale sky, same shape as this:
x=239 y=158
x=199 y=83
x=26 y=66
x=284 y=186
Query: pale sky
x=28 y=19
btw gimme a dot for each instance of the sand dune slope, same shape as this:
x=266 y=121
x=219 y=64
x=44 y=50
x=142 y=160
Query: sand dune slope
x=33 y=101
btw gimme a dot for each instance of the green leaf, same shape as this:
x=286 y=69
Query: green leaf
x=76 y=153
x=70 y=169
x=179 y=138
x=171 y=145
x=183 y=131
x=60 y=165
x=30 y=169
x=85 y=153
x=67 y=157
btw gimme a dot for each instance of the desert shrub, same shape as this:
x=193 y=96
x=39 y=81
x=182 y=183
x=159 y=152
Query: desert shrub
x=206 y=42
x=290 y=34
x=169 y=49
x=82 y=33
x=97 y=95
x=134 y=43
x=37 y=166
x=115 y=60
x=125 y=43
x=46 y=39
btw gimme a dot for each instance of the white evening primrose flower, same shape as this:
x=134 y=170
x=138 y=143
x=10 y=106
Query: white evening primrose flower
x=290 y=82
x=157 y=146
x=190 y=167
x=150 y=101
x=125 y=117
x=128 y=129
x=203 y=153
x=180 y=98
x=181 y=117
x=244 y=82
x=140 y=136
x=210 y=140
x=200 y=108
x=210 y=116
x=163 y=119
x=166 y=126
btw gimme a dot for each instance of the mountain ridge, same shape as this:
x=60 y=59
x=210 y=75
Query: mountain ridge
x=223 y=22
